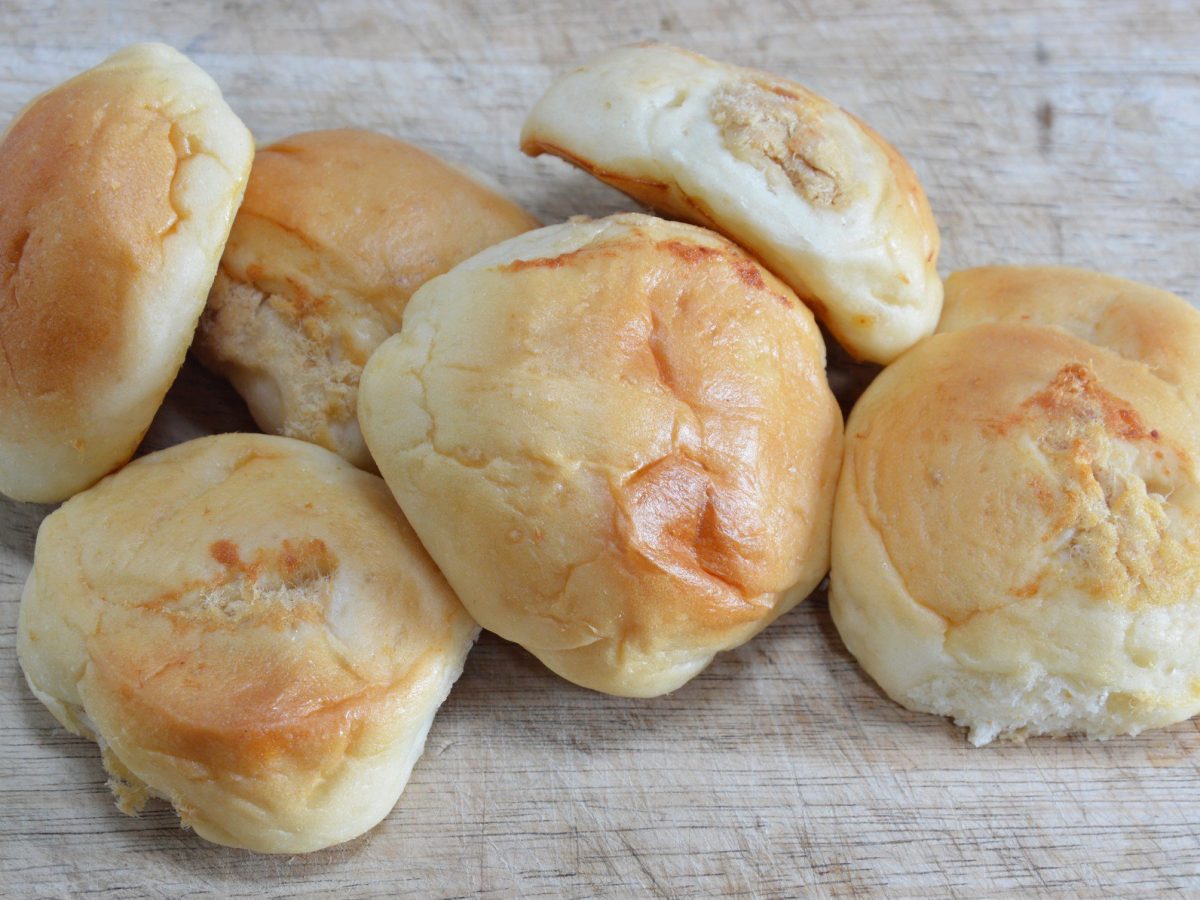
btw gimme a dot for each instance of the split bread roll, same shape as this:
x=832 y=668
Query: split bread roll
x=118 y=191
x=819 y=197
x=1016 y=537
x=616 y=440
x=250 y=630
x=337 y=230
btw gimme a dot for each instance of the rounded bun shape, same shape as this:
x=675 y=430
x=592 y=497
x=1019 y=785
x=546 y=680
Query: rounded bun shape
x=118 y=191
x=1016 y=538
x=1136 y=321
x=821 y=199
x=250 y=630
x=616 y=439
x=337 y=230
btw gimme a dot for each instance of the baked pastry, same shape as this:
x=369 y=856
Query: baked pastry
x=118 y=192
x=1016 y=538
x=250 y=630
x=1134 y=320
x=819 y=197
x=337 y=230
x=616 y=440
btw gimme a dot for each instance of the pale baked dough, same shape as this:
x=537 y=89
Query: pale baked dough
x=616 y=439
x=249 y=629
x=1016 y=538
x=337 y=230
x=118 y=191
x=806 y=187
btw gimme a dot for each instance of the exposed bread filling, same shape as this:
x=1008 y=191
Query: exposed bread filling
x=783 y=135
x=1113 y=532
x=1111 y=503
x=313 y=366
x=276 y=587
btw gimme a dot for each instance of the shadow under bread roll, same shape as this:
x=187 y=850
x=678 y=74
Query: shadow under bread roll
x=337 y=230
x=616 y=439
x=117 y=191
x=250 y=630
x=1016 y=539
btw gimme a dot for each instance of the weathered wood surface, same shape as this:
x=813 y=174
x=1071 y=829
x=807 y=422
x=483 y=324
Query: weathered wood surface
x=1043 y=132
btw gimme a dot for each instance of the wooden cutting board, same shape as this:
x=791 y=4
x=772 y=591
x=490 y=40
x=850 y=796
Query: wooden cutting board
x=1044 y=132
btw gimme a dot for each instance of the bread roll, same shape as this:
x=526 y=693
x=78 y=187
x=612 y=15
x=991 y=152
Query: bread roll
x=1016 y=538
x=1138 y=322
x=118 y=192
x=337 y=230
x=250 y=630
x=806 y=187
x=616 y=439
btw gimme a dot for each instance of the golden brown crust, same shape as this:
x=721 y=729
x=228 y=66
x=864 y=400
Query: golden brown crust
x=652 y=192
x=250 y=629
x=697 y=514
x=1135 y=320
x=119 y=189
x=378 y=218
x=1063 y=478
x=336 y=231
x=1016 y=535
x=78 y=223
x=633 y=417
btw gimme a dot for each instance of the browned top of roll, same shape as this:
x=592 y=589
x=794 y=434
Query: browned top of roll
x=84 y=202
x=118 y=191
x=363 y=213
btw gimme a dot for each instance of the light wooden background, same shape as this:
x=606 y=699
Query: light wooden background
x=1044 y=132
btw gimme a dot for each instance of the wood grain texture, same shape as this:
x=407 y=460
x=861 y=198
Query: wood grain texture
x=1044 y=132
